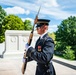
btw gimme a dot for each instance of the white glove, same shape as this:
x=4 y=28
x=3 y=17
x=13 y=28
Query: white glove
x=24 y=57
x=24 y=60
x=26 y=46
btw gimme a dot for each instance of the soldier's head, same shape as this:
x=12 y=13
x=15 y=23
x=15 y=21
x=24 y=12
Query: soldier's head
x=42 y=26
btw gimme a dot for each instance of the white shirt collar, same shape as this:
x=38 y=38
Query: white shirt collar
x=42 y=35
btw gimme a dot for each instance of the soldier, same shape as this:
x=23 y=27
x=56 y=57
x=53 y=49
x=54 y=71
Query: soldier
x=43 y=51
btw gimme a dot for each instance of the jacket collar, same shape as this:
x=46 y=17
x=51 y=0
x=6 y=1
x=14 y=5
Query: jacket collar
x=43 y=35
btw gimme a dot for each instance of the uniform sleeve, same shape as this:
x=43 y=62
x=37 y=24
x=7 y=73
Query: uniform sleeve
x=45 y=55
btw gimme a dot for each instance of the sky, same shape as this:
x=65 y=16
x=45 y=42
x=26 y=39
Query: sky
x=54 y=10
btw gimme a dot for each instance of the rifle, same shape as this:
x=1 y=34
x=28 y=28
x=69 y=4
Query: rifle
x=29 y=42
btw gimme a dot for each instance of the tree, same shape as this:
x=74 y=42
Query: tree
x=66 y=34
x=2 y=16
x=27 y=25
x=12 y=22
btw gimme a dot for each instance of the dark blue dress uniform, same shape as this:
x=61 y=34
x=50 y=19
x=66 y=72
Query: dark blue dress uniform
x=43 y=54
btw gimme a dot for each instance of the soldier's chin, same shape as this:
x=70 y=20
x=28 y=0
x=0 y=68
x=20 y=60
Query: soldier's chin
x=39 y=33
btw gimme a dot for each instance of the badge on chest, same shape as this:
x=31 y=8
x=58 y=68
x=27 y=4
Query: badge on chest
x=39 y=48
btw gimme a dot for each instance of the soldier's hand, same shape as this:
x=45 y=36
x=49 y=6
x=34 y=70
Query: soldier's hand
x=25 y=54
x=24 y=57
x=26 y=46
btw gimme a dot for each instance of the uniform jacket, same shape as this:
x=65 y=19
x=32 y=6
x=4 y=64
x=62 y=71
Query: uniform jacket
x=43 y=54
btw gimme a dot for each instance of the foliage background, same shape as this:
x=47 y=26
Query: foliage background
x=66 y=38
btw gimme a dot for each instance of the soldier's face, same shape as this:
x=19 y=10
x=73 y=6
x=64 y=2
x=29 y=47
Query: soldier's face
x=40 y=30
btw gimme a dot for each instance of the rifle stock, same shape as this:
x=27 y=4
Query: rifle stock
x=24 y=65
x=29 y=42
